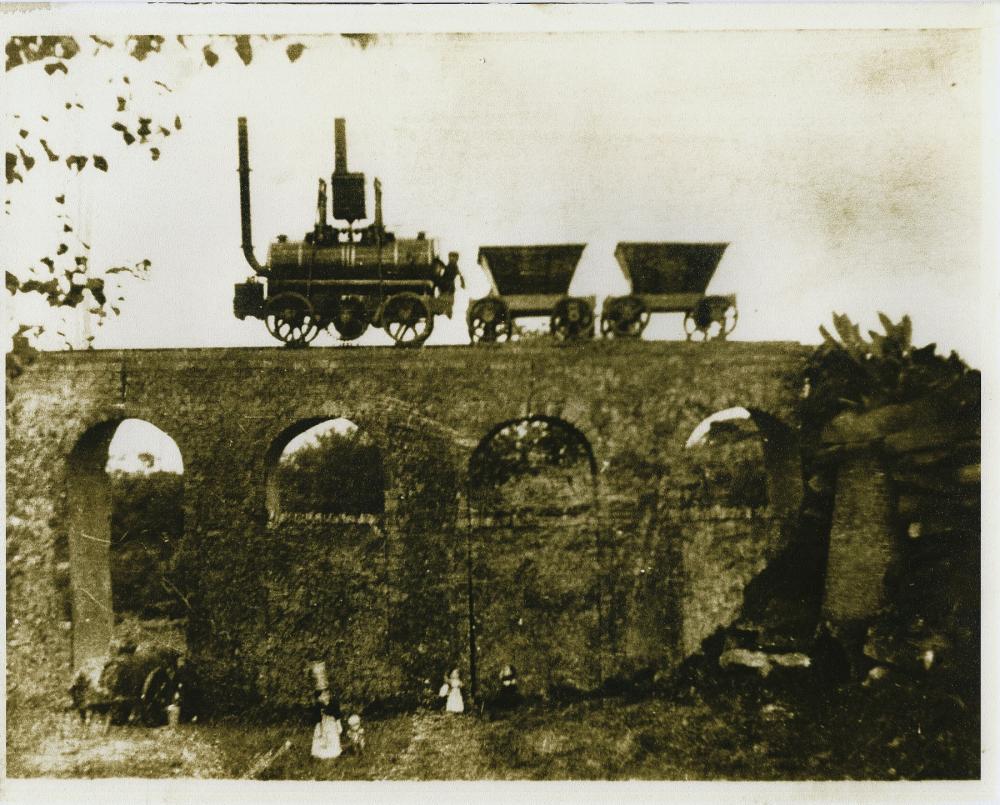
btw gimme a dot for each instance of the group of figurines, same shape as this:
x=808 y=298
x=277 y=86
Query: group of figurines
x=327 y=729
x=326 y=743
x=507 y=696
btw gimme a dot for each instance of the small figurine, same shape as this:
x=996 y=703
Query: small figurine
x=326 y=733
x=355 y=733
x=508 y=697
x=452 y=688
x=174 y=710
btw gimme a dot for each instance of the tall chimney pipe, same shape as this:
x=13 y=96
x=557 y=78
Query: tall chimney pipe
x=340 y=145
x=244 y=170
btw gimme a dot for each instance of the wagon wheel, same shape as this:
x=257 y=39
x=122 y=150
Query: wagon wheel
x=407 y=320
x=350 y=319
x=290 y=318
x=572 y=319
x=693 y=330
x=489 y=321
x=624 y=317
x=157 y=691
x=729 y=319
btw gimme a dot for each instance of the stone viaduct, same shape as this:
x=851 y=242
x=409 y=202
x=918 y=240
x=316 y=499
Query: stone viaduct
x=666 y=575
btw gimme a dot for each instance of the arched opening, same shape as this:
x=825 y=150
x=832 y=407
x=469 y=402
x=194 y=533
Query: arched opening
x=323 y=559
x=532 y=509
x=740 y=512
x=749 y=459
x=325 y=468
x=125 y=519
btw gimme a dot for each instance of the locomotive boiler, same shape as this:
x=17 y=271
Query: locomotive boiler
x=346 y=278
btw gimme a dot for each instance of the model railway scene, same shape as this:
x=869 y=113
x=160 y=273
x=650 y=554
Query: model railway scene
x=349 y=278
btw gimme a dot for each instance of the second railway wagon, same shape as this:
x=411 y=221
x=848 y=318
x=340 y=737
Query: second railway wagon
x=670 y=278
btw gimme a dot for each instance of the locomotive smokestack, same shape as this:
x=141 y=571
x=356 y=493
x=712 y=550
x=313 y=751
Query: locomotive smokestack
x=340 y=145
x=244 y=171
x=346 y=189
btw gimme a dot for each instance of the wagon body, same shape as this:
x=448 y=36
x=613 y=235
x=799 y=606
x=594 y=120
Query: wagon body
x=668 y=277
x=673 y=276
x=530 y=281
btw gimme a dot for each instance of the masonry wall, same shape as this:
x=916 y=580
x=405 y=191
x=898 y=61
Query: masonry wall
x=669 y=578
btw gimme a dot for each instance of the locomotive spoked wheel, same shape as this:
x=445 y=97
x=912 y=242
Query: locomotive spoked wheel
x=624 y=317
x=350 y=319
x=290 y=318
x=157 y=691
x=572 y=319
x=407 y=320
x=489 y=322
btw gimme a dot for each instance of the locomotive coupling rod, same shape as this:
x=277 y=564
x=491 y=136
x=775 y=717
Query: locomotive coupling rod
x=244 y=171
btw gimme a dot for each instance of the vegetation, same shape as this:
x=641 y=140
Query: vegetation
x=337 y=473
x=526 y=447
x=723 y=728
x=147 y=521
x=853 y=373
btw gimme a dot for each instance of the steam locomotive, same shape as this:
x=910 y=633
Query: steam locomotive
x=343 y=277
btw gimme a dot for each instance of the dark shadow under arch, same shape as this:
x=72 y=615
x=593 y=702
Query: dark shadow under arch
x=782 y=461
x=527 y=605
x=782 y=458
x=478 y=461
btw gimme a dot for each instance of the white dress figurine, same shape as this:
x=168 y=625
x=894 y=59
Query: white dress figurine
x=326 y=733
x=452 y=688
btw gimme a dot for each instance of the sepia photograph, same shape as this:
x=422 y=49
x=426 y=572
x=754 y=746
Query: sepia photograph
x=497 y=394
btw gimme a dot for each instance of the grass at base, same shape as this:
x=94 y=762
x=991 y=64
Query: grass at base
x=738 y=732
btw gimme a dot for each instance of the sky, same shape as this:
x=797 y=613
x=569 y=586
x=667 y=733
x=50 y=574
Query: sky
x=843 y=167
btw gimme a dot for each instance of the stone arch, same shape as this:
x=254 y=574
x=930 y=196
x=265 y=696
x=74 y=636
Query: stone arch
x=84 y=547
x=781 y=453
x=745 y=516
x=328 y=565
x=283 y=439
x=555 y=422
x=531 y=492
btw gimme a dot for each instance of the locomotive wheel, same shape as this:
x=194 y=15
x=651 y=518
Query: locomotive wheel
x=489 y=321
x=407 y=320
x=157 y=691
x=624 y=317
x=290 y=318
x=572 y=319
x=350 y=319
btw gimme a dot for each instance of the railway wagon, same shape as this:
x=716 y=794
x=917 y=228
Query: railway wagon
x=670 y=278
x=530 y=281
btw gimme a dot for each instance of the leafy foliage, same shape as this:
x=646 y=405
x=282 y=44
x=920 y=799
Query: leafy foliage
x=335 y=474
x=526 y=447
x=147 y=522
x=64 y=276
x=851 y=372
